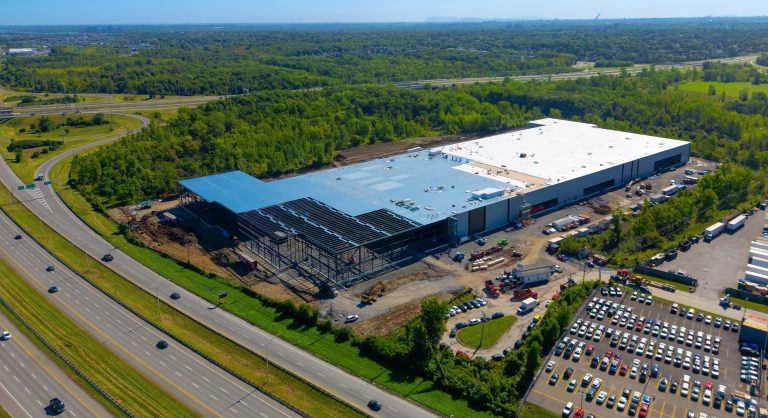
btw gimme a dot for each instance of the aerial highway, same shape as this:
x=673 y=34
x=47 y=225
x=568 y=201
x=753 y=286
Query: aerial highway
x=47 y=205
x=31 y=379
x=568 y=76
x=131 y=106
x=192 y=379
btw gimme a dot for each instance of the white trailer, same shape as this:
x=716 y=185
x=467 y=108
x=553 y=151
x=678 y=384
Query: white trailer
x=736 y=223
x=527 y=305
x=713 y=231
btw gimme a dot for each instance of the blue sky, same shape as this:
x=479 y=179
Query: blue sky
x=30 y=12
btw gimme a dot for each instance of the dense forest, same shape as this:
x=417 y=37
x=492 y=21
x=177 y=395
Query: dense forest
x=231 y=60
x=270 y=133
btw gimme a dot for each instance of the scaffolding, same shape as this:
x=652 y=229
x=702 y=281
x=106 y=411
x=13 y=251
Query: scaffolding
x=325 y=245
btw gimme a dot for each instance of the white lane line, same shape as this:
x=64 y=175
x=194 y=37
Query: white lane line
x=300 y=364
x=243 y=402
x=34 y=376
x=16 y=378
x=206 y=379
x=28 y=392
x=195 y=385
x=46 y=388
x=213 y=397
x=22 y=364
x=177 y=373
x=320 y=374
x=343 y=385
x=223 y=390
x=15 y=400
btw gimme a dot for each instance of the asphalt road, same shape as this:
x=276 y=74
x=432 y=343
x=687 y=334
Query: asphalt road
x=204 y=387
x=30 y=379
x=566 y=76
x=46 y=204
x=115 y=107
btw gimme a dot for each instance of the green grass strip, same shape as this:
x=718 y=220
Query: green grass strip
x=487 y=334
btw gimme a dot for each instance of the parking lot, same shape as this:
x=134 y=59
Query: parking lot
x=640 y=351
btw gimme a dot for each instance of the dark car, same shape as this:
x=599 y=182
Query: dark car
x=497 y=357
x=460 y=325
x=53 y=289
x=452 y=333
x=595 y=362
x=700 y=317
x=497 y=315
x=107 y=257
x=519 y=343
x=374 y=404
x=55 y=406
x=568 y=373
x=162 y=344
x=50 y=268
x=175 y=295
x=553 y=379
x=591 y=394
x=18 y=236
x=655 y=371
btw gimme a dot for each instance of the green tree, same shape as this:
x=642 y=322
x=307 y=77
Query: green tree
x=46 y=124
x=433 y=319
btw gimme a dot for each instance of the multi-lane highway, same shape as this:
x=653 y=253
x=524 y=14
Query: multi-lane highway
x=204 y=387
x=135 y=106
x=30 y=380
x=44 y=202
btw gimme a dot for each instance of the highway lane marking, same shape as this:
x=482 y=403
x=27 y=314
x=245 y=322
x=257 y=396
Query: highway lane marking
x=300 y=364
x=15 y=400
x=177 y=373
x=50 y=373
x=195 y=385
x=343 y=385
x=20 y=267
x=22 y=364
x=16 y=379
x=28 y=392
x=223 y=390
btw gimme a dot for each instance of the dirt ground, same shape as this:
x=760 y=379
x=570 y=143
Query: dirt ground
x=172 y=241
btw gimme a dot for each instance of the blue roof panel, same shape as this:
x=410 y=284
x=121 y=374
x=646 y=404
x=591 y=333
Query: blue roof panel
x=432 y=184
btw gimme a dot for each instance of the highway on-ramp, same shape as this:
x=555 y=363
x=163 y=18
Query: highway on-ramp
x=30 y=380
x=47 y=205
x=198 y=383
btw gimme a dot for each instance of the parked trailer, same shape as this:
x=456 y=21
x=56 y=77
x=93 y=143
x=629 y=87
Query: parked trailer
x=170 y=218
x=736 y=223
x=713 y=231
x=554 y=244
x=527 y=306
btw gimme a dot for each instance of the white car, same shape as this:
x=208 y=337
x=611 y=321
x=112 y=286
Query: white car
x=6 y=335
x=740 y=408
x=684 y=389
x=601 y=397
x=622 y=404
x=568 y=409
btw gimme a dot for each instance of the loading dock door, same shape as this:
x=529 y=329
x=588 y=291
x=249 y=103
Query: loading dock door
x=476 y=221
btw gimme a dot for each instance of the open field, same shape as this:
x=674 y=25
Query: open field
x=232 y=356
x=26 y=169
x=487 y=334
x=731 y=90
x=140 y=395
x=3 y=414
x=344 y=355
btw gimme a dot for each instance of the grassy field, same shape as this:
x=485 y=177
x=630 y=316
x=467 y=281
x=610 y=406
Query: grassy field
x=750 y=305
x=138 y=394
x=322 y=345
x=487 y=334
x=162 y=115
x=731 y=90
x=534 y=411
x=284 y=385
x=27 y=168
x=3 y=413
x=12 y=98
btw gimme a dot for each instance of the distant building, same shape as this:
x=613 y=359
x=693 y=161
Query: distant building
x=21 y=52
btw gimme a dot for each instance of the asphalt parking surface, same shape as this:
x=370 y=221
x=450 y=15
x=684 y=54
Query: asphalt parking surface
x=664 y=403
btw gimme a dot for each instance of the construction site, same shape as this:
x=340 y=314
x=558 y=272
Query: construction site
x=417 y=222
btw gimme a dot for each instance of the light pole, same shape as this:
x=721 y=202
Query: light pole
x=269 y=344
x=581 y=397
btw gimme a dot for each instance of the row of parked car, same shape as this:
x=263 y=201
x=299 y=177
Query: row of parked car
x=466 y=306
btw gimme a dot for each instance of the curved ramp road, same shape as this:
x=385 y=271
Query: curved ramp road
x=30 y=379
x=204 y=387
x=47 y=205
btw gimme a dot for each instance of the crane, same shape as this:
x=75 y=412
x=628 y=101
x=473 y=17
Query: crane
x=598 y=16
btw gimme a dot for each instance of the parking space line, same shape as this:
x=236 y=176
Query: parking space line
x=674 y=409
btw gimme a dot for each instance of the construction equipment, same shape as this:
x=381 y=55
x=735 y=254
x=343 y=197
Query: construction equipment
x=378 y=289
x=503 y=242
x=493 y=288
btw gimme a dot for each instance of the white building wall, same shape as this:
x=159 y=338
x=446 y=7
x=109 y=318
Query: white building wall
x=463 y=225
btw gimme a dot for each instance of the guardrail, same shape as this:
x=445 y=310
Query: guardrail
x=187 y=345
x=66 y=361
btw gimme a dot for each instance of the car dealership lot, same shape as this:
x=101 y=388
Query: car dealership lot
x=627 y=358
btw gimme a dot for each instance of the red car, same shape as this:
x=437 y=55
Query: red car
x=579 y=413
x=561 y=257
x=643 y=411
x=556 y=296
x=708 y=385
x=609 y=353
x=590 y=349
x=623 y=370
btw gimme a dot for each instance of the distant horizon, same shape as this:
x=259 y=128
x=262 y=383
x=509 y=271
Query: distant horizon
x=290 y=12
x=436 y=20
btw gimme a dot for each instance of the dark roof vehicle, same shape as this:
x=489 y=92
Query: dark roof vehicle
x=50 y=268
x=107 y=257
x=374 y=404
x=18 y=236
x=55 y=406
x=53 y=289
x=175 y=295
x=162 y=344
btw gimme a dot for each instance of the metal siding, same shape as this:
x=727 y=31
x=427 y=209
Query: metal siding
x=463 y=229
x=496 y=215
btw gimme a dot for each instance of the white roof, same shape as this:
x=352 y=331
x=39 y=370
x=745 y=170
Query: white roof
x=559 y=150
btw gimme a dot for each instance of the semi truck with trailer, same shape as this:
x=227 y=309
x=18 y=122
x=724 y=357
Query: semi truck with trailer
x=713 y=231
x=736 y=223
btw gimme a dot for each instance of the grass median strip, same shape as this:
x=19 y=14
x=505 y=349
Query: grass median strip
x=344 y=355
x=284 y=385
x=486 y=334
x=140 y=395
